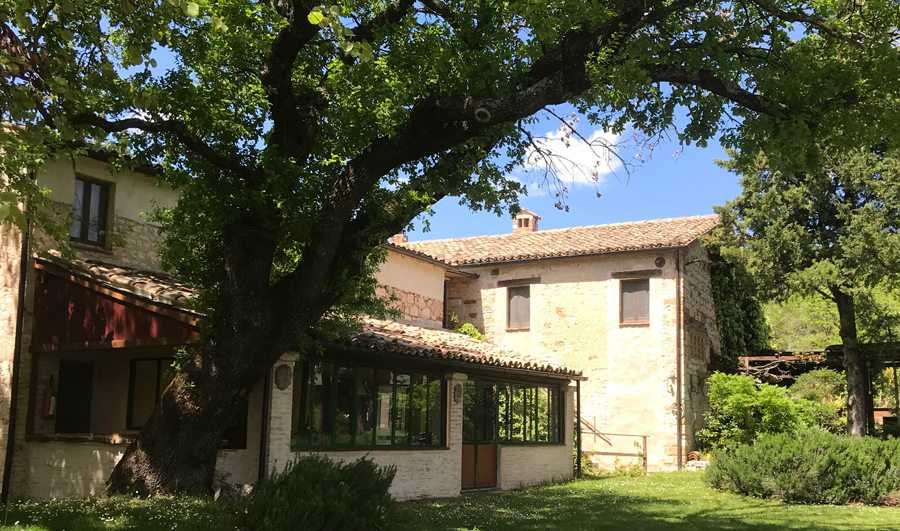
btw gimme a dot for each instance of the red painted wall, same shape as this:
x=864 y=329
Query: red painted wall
x=66 y=313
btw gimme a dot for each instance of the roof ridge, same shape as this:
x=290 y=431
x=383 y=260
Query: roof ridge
x=406 y=245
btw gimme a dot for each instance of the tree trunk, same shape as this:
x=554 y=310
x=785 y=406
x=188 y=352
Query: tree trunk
x=854 y=363
x=251 y=325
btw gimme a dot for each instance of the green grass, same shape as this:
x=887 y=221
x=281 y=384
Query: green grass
x=674 y=501
x=671 y=501
x=120 y=513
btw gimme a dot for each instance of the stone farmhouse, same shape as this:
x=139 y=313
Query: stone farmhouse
x=630 y=304
x=86 y=347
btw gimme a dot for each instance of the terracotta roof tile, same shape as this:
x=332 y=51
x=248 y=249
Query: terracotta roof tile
x=575 y=241
x=391 y=336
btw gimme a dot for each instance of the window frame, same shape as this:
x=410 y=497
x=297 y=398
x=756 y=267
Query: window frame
x=104 y=203
x=509 y=325
x=623 y=321
x=303 y=369
x=132 y=372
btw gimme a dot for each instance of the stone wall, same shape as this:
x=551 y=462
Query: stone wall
x=575 y=322
x=417 y=309
x=701 y=338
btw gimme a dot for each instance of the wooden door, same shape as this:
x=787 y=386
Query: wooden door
x=479 y=451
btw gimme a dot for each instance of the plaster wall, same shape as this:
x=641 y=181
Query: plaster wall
x=417 y=288
x=10 y=261
x=575 y=322
x=411 y=275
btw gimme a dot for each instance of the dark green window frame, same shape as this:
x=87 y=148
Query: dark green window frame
x=526 y=413
x=390 y=427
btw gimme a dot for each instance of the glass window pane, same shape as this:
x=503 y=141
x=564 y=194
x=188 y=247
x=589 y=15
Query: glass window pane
x=468 y=427
x=486 y=410
x=343 y=405
x=77 y=209
x=418 y=406
x=543 y=414
x=93 y=217
x=554 y=414
x=436 y=404
x=401 y=409
x=320 y=409
x=385 y=388
x=517 y=413
x=365 y=406
x=299 y=417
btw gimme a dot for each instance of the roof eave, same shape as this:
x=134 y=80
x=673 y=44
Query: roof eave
x=585 y=255
x=430 y=260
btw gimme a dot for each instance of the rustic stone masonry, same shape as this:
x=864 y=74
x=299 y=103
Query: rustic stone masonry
x=701 y=338
x=10 y=254
x=417 y=309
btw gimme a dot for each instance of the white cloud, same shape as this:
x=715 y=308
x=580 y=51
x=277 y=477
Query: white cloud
x=571 y=159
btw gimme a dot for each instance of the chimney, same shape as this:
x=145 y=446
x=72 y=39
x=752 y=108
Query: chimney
x=525 y=221
x=399 y=238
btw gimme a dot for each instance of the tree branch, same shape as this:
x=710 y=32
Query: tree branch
x=365 y=31
x=181 y=132
x=805 y=18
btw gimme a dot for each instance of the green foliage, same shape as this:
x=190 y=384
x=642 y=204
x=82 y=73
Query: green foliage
x=820 y=385
x=741 y=410
x=739 y=313
x=470 y=330
x=316 y=493
x=803 y=322
x=809 y=467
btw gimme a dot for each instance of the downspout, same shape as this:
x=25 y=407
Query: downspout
x=678 y=412
x=264 y=427
x=16 y=362
x=578 y=427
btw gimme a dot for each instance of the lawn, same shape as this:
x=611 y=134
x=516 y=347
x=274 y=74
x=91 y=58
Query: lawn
x=674 y=501
x=671 y=501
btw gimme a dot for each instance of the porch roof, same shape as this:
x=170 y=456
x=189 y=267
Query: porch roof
x=375 y=334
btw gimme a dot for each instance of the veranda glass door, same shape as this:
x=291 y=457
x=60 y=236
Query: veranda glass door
x=479 y=454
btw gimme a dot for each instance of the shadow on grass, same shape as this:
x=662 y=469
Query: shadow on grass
x=589 y=505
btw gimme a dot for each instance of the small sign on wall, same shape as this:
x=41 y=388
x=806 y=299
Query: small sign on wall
x=283 y=376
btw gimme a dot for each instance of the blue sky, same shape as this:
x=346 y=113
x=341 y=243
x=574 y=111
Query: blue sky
x=675 y=182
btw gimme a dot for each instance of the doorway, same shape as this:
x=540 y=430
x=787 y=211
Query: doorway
x=479 y=452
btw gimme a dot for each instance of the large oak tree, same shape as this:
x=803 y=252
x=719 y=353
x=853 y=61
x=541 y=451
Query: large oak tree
x=303 y=135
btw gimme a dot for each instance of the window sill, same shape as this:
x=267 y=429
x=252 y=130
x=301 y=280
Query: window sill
x=386 y=448
x=635 y=324
x=525 y=329
x=112 y=439
x=89 y=247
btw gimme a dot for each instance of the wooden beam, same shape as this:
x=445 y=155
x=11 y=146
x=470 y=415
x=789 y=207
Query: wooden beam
x=118 y=343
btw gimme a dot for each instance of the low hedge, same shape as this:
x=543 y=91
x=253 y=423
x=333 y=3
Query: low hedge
x=315 y=493
x=810 y=467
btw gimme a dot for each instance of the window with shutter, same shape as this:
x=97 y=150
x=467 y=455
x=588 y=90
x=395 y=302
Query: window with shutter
x=635 y=302
x=518 y=308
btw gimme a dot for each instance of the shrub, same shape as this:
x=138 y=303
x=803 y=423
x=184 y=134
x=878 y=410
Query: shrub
x=315 y=493
x=741 y=409
x=810 y=467
x=820 y=385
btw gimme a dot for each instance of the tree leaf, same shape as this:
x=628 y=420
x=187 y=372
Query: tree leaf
x=315 y=17
x=192 y=10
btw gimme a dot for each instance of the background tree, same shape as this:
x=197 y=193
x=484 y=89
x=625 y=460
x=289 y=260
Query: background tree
x=832 y=232
x=303 y=135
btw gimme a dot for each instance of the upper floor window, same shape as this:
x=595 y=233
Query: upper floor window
x=89 y=209
x=635 y=302
x=518 y=308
